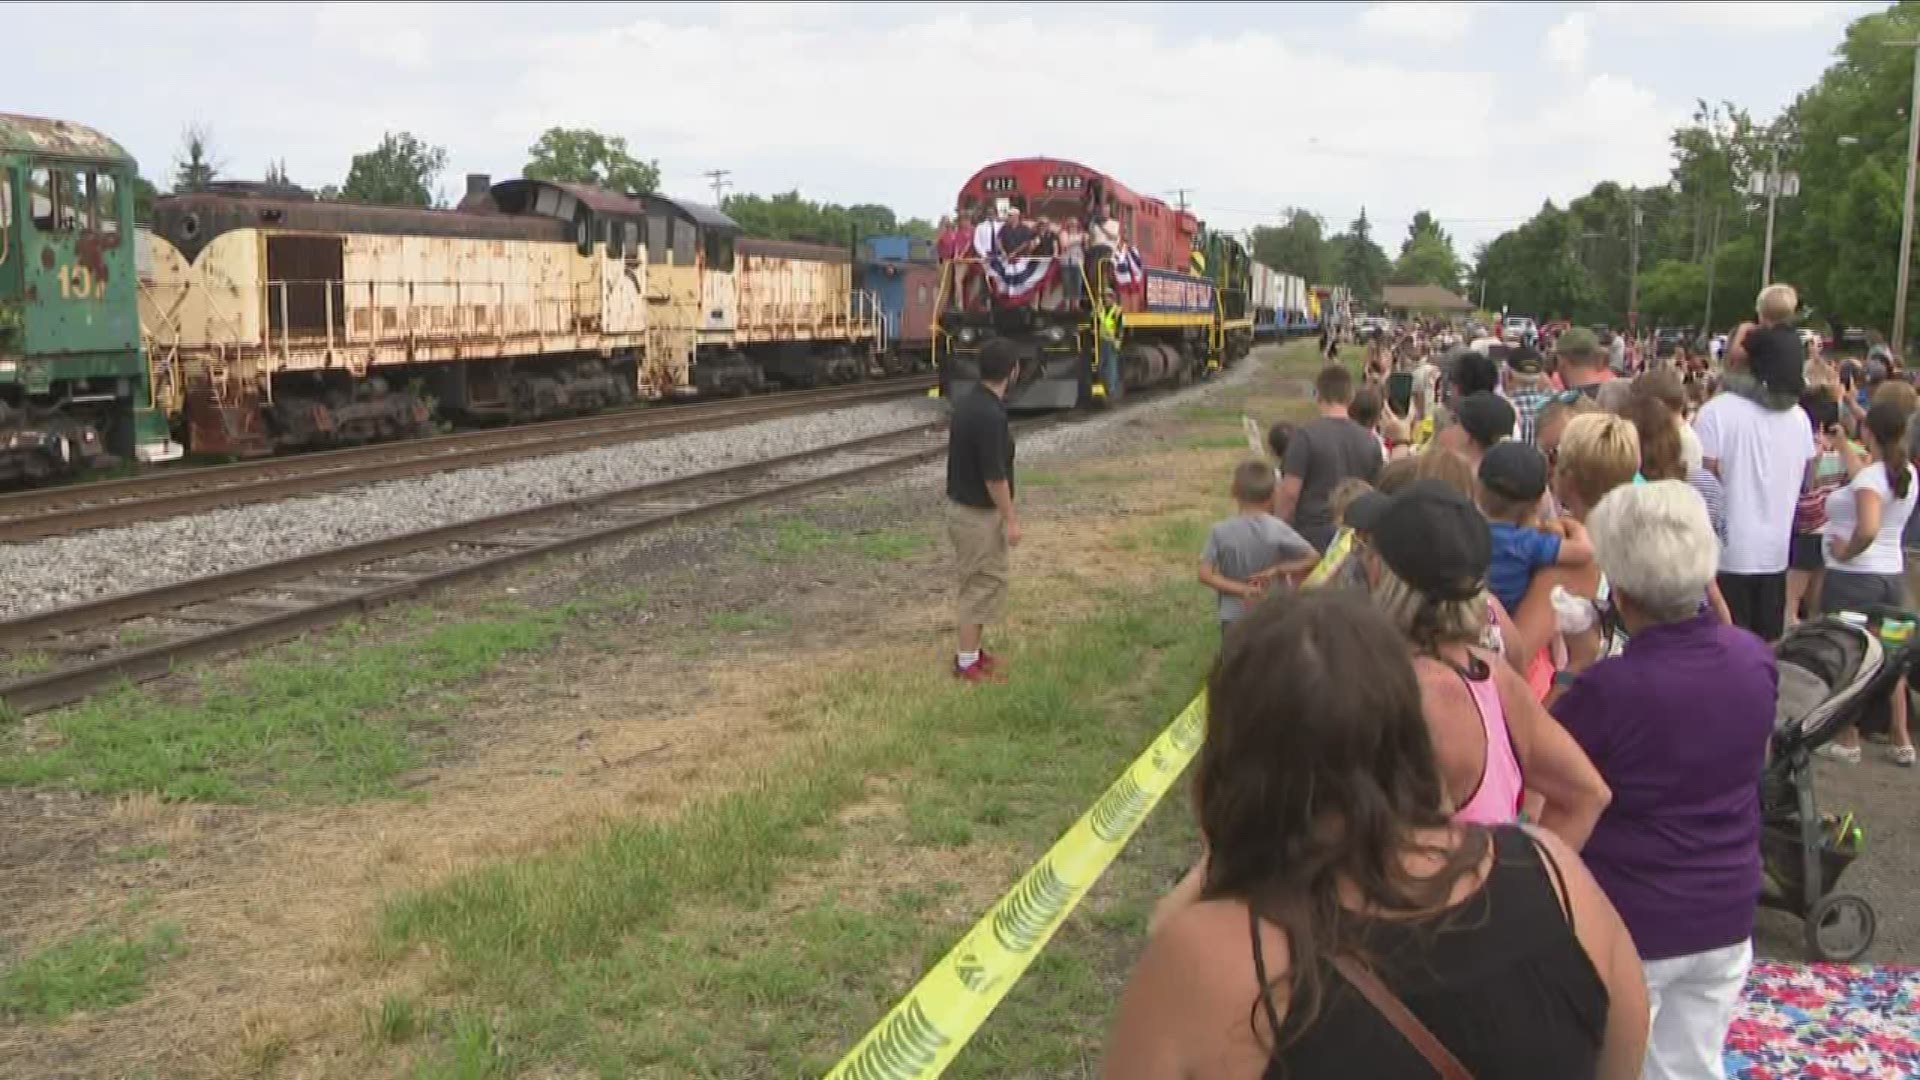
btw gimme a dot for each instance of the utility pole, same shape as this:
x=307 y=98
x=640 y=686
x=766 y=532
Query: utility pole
x=1899 y=334
x=718 y=179
x=1773 y=200
x=1713 y=249
x=1181 y=194
x=1633 y=267
x=1775 y=184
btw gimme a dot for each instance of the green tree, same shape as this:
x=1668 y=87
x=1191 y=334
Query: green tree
x=1427 y=257
x=584 y=156
x=1673 y=293
x=1297 y=246
x=1839 y=240
x=194 y=166
x=398 y=172
x=790 y=216
x=1363 y=268
x=276 y=174
x=143 y=195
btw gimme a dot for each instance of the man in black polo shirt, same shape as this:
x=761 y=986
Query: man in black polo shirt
x=980 y=515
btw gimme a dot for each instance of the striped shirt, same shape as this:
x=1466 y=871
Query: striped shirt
x=1711 y=493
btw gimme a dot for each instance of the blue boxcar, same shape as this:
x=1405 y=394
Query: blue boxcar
x=904 y=277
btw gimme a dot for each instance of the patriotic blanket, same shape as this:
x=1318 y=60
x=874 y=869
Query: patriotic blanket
x=1019 y=281
x=1826 y=1022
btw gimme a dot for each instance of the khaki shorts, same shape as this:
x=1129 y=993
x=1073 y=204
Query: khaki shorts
x=980 y=557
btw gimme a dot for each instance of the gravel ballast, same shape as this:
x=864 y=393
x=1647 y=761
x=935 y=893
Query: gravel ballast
x=68 y=569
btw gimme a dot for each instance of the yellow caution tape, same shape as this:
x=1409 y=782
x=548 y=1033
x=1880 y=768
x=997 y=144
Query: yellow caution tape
x=933 y=1023
x=926 y=1031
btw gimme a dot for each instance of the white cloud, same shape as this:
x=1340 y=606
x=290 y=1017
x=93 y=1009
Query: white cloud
x=1566 y=45
x=896 y=106
x=1773 y=17
x=1440 y=22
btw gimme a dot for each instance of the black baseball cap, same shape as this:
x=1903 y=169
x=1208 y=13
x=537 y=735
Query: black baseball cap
x=1487 y=417
x=1526 y=361
x=1430 y=535
x=1514 y=470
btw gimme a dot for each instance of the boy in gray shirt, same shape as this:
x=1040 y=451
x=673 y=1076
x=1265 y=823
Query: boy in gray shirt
x=1247 y=551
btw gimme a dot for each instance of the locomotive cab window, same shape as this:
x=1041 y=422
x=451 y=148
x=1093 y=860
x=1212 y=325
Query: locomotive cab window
x=683 y=239
x=719 y=252
x=6 y=200
x=658 y=237
x=616 y=240
x=106 y=202
x=40 y=199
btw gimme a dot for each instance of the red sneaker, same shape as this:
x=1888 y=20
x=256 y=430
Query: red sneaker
x=977 y=673
x=992 y=663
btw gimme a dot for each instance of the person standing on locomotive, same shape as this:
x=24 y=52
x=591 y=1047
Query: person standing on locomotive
x=1015 y=238
x=980 y=516
x=956 y=240
x=986 y=239
x=1073 y=242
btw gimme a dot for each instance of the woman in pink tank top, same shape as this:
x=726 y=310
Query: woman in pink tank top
x=1426 y=550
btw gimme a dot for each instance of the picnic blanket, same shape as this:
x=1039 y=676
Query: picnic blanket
x=1826 y=1022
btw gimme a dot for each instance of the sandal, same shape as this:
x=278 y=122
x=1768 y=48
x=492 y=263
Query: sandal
x=1902 y=755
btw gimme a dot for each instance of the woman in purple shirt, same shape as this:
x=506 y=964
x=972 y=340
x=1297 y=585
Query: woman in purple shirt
x=1678 y=725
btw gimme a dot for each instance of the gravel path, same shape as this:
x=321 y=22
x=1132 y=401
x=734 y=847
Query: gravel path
x=64 y=570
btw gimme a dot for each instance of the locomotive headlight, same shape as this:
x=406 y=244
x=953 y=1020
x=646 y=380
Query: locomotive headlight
x=1054 y=334
x=968 y=335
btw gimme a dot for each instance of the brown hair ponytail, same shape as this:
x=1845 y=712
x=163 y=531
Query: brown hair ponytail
x=1888 y=423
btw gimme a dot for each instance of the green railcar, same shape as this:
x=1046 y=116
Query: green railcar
x=1221 y=257
x=74 y=380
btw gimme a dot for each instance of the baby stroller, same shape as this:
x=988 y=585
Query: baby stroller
x=1833 y=671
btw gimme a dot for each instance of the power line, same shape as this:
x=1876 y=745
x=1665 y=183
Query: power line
x=717 y=178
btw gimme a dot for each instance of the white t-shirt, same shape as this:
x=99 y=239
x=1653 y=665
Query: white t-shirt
x=983 y=237
x=1883 y=557
x=1762 y=455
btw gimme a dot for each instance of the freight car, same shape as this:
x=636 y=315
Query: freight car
x=1138 y=316
x=73 y=380
x=1279 y=303
x=903 y=276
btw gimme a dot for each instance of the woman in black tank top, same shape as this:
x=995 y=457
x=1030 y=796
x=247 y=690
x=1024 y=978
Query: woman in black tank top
x=1344 y=927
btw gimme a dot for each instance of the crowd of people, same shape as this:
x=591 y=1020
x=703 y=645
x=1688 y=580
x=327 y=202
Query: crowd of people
x=1084 y=235
x=1471 y=814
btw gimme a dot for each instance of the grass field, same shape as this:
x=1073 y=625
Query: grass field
x=745 y=911
x=779 y=905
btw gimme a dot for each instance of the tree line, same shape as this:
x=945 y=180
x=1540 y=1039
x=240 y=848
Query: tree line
x=1703 y=232
x=1300 y=245
x=404 y=170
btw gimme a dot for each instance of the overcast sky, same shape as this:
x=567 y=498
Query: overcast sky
x=1478 y=111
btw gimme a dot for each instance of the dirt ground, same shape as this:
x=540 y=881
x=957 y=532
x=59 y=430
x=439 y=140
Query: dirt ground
x=677 y=692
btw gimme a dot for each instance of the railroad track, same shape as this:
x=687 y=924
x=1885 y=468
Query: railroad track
x=85 y=648
x=58 y=511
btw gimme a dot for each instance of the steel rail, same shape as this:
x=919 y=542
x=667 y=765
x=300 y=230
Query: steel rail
x=620 y=513
x=57 y=511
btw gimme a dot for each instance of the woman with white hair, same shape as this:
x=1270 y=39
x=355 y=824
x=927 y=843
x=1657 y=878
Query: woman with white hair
x=1678 y=848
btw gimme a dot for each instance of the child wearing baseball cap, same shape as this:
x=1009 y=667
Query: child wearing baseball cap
x=1513 y=477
